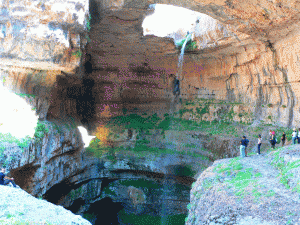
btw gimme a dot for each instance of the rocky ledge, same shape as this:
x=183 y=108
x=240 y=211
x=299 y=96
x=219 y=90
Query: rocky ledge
x=19 y=207
x=260 y=189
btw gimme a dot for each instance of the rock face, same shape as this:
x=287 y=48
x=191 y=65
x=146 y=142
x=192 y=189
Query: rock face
x=261 y=189
x=42 y=34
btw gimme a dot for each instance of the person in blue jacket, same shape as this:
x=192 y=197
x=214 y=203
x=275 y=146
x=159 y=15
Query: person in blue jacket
x=4 y=180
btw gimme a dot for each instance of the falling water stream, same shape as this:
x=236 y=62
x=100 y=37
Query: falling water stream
x=180 y=59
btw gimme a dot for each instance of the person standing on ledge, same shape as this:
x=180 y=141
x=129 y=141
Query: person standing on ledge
x=247 y=142
x=4 y=180
x=243 y=146
x=259 y=144
x=294 y=136
x=273 y=140
x=283 y=138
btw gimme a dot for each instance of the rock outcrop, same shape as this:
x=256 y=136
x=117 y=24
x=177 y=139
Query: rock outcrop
x=19 y=207
x=261 y=189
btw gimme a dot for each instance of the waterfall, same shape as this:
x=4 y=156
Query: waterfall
x=180 y=59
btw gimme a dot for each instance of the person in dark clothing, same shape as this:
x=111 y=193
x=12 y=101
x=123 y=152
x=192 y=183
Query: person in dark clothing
x=283 y=138
x=4 y=180
x=246 y=142
x=243 y=146
x=88 y=68
x=273 y=140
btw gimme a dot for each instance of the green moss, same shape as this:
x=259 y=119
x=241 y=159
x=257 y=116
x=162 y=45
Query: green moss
x=284 y=168
x=190 y=45
x=270 y=193
x=25 y=95
x=78 y=53
x=89 y=216
x=140 y=183
x=40 y=130
x=88 y=23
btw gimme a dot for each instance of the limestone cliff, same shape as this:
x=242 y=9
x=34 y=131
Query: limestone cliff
x=81 y=69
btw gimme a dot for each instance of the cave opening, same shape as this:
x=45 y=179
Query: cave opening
x=104 y=212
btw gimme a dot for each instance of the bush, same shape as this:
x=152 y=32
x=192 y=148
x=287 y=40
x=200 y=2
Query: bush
x=190 y=45
x=40 y=130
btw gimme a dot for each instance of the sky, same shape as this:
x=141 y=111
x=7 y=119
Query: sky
x=168 y=19
x=16 y=116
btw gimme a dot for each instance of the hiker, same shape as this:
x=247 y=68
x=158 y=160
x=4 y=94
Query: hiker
x=273 y=140
x=259 y=144
x=247 y=142
x=4 y=180
x=243 y=147
x=283 y=138
x=294 y=136
x=270 y=136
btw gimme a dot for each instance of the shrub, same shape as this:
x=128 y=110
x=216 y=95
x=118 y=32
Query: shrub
x=283 y=106
x=78 y=53
x=190 y=45
x=269 y=105
x=40 y=130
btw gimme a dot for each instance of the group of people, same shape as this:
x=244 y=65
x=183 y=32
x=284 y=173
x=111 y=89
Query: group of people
x=272 y=139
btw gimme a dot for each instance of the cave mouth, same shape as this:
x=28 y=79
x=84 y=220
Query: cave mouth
x=170 y=21
x=104 y=212
x=177 y=22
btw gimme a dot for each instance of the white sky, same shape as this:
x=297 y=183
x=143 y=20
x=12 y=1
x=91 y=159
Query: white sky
x=167 y=19
x=16 y=116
